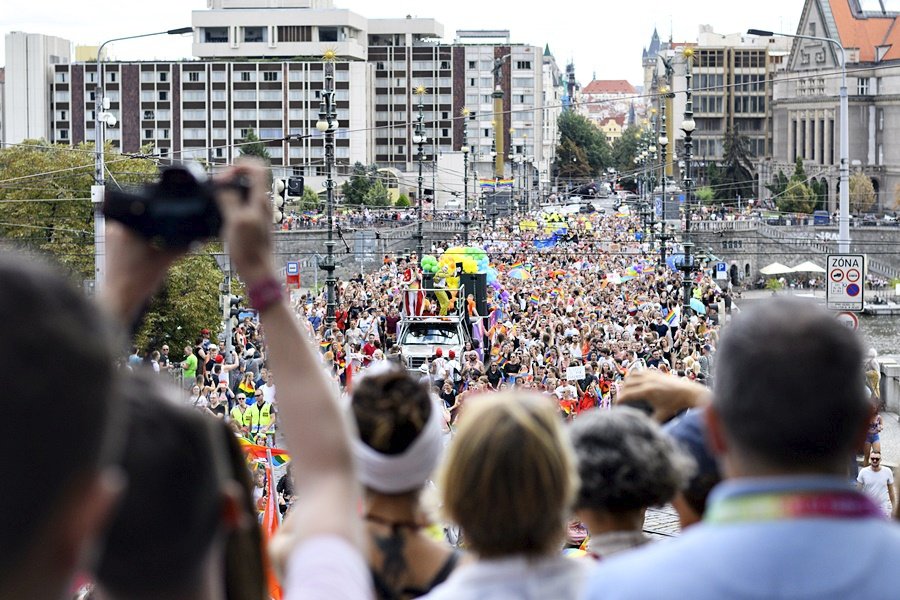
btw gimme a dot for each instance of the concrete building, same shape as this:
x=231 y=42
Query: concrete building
x=552 y=97
x=30 y=61
x=806 y=98
x=2 y=87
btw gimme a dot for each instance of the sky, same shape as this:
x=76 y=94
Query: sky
x=602 y=38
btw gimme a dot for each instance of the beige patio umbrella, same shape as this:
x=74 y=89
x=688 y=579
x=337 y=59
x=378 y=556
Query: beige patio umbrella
x=808 y=267
x=776 y=268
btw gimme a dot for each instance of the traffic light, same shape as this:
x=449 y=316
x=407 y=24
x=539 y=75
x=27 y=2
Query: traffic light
x=295 y=186
x=279 y=197
x=234 y=310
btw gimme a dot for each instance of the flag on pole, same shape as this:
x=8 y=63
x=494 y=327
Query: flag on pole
x=279 y=457
x=672 y=317
x=270 y=522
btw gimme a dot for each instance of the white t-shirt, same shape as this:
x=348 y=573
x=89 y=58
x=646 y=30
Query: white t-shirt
x=874 y=483
x=327 y=567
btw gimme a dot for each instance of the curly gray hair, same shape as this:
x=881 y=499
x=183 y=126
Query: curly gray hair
x=625 y=461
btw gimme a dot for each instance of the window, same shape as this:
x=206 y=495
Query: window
x=61 y=77
x=256 y=34
x=215 y=35
x=63 y=134
x=523 y=64
x=219 y=114
x=487 y=82
x=148 y=115
x=245 y=95
x=328 y=34
x=472 y=64
x=194 y=133
x=91 y=77
x=148 y=134
x=63 y=115
x=271 y=114
x=219 y=134
x=445 y=64
x=247 y=76
x=472 y=82
x=194 y=76
x=219 y=76
x=163 y=96
x=110 y=77
x=163 y=115
x=163 y=134
x=270 y=95
x=92 y=96
x=147 y=76
x=193 y=96
x=526 y=82
x=296 y=95
x=218 y=95
x=194 y=115
x=271 y=76
x=862 y=86
x=163 y=76
x=62 y=96
x=270 y=133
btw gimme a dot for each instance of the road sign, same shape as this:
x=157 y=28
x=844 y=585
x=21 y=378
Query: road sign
x=844 y=289
x=292 y=268
x=848 y=319
x=721 y=270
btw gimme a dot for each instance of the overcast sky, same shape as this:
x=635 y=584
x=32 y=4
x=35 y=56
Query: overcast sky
x=603 y=38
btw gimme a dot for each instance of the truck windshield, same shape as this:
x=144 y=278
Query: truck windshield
x=431 y=334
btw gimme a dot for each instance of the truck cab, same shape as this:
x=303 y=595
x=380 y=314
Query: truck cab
x=419 y=336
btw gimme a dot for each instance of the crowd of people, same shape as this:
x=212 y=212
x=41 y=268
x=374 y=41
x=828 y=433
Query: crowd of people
x=423 y=483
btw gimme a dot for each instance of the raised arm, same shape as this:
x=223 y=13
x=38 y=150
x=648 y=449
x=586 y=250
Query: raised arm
x=316 y=432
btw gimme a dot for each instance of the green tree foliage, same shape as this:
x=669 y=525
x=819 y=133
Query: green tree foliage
x=797 y=197
x=252 y=146
x=402 y=201
x=572 y=161
x=799 y=171
x=377 y=195
x=361 y=178
x=310 y=199
x=705 y=194
x=736 y=169
x=587 y=138
x=862 y=193
x=45 y=204
x=778 y=185
x=625 y=149
x=818 y=190
x=187 y=303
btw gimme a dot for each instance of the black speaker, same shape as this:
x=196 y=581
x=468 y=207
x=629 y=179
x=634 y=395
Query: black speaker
x=428 y=281
x=476 y=284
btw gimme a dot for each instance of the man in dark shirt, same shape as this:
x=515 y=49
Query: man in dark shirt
x=494 y=376
x=390 y=324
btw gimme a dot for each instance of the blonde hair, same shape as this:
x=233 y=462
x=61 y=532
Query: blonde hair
x=510 y=476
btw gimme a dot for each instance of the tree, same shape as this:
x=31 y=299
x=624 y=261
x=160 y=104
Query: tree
x=797 y=197
x=778 y=185
x=47 y=207
x=572 y=161
x=587 y=138
x=737 y=170
x=862 y=193
x=377 y=195
x=187 y=303
x=310 y=199
x=705 y=194
x=799 y=171
x=361 y=178
x=252 y=146
x=402 y=201
x=625 y=149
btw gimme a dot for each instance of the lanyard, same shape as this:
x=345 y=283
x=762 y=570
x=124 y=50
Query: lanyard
x=771 y=507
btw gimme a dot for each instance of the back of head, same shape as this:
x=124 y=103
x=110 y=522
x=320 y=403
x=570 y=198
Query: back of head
x=789 y=387
x=509 y=479
x=625 y=461
x=64 y=419
x=164 y=528
x=393 y=413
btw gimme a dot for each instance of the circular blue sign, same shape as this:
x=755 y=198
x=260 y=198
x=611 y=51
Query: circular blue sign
x=852 y=290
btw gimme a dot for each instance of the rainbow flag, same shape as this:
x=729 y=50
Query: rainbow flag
x=516 y=265
x=325 y=346
x=534 y=299
x=279 y=457
x=672 y=318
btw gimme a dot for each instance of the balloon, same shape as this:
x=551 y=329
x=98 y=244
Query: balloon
x=469 y=266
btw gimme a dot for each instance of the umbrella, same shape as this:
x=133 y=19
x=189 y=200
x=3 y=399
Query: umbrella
x=808 y=267
x=776 y=268
x=697 y=306
x=519 y=273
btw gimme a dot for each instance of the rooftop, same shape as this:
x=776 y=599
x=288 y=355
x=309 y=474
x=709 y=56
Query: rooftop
x=609 y=86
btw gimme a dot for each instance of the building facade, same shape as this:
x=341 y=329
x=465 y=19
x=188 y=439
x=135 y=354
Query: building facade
x=806 y=99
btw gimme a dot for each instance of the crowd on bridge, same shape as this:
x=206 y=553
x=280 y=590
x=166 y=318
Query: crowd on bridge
x=542 y=474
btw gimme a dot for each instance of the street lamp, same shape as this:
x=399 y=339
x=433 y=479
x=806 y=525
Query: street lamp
x=687 y=126
x=328 y=124
x=465 y=150
x=419 y=138
x=102 y=119
x=844 y=174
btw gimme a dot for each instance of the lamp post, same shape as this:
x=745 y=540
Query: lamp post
x=687 y=126
x=328 y=124
x=102 y=118
x=465 y=150
x=419 y=138
x=844 y=174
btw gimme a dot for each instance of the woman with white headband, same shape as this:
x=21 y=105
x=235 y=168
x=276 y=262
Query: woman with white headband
x=399 y=446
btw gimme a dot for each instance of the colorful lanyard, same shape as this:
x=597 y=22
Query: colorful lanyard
x=771 y=507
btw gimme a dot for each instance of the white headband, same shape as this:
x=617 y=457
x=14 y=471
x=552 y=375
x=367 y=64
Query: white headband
x=404 y=472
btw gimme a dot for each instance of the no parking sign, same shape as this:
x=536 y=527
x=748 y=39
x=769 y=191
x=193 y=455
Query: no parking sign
x=846 y=274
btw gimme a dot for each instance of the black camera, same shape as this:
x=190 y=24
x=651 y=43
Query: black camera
x=174 y=212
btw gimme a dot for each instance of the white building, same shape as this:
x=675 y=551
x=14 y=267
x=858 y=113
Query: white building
x=30 y=58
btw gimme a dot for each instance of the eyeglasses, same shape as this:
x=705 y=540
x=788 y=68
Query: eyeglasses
x=873 y=459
